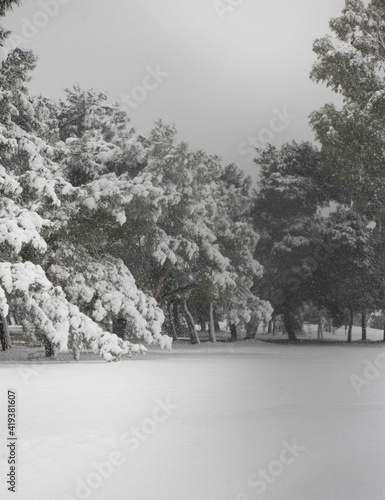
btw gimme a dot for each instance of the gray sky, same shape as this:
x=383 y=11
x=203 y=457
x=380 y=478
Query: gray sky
x=221 y=75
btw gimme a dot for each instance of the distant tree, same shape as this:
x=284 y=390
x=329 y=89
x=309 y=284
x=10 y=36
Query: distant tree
x=286 y=214
x=349 y=280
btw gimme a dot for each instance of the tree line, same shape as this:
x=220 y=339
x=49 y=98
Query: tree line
x=108 y=239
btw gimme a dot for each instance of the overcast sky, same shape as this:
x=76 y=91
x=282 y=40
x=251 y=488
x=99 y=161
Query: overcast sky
x=221 y=75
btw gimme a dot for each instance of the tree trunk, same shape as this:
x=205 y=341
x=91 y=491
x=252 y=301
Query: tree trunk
x=172 y=322
x=320 y=333
x=48 y=348
x=4 y=334
x=212 y=334
x=176 y=318
x=191 y=323
x=251 y=331
x=350 y=330
x=384 y=334
x=119 y=327
x=76 y=353
x=233 y=332
x=216 y=322
x=290 y=324
x=363 y=325
x=270 y=327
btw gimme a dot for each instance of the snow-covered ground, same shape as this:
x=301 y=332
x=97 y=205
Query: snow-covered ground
x=241 y=422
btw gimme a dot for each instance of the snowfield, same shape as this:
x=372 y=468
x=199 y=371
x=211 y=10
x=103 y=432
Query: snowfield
x=241 y=422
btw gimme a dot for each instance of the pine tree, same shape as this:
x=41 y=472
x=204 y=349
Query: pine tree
x=6 y=5
x=44 y=219
x=286 y=214
x=350 y=279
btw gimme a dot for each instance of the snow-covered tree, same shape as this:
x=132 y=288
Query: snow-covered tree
x=105 y=223
x=6 y=5
x=335 y=261
x=42 y=218
x=195 y=244
x=352 y=63
x=350 y=278
x=286 y=214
